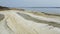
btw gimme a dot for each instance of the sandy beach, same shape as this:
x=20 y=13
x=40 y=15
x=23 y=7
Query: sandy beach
x=23 y=22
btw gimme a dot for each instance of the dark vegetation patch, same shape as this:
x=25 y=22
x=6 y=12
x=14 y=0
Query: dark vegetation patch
x=10 y=8
x=4 y=8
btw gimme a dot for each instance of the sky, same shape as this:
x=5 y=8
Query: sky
x=30 y=3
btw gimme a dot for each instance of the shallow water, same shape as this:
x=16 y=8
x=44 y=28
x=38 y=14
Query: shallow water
x=47 y=10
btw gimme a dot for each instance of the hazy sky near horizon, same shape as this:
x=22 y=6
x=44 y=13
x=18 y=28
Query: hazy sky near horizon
x=30 y=3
